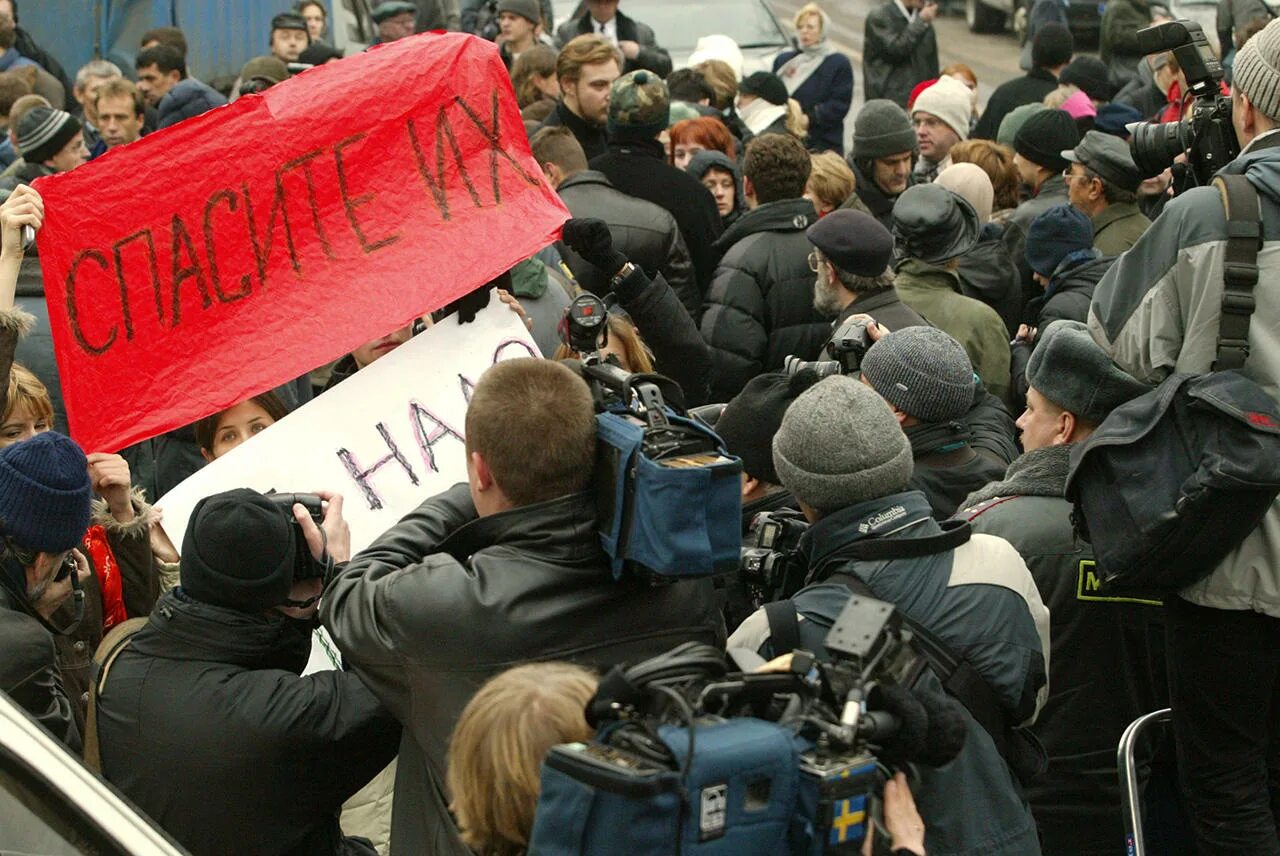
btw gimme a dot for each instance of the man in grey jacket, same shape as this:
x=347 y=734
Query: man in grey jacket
x=504 y=570
x=842 y=455
x=1156 y=312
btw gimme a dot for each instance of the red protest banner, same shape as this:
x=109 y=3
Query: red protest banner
x=231 y=253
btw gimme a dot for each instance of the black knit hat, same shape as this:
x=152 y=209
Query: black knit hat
x=765 y=85
x=750 y=420
x=1044 y=137
x=882 y=129
x=1052 y=46
x=238 y=552
x=1090 y=74
x=43 y=132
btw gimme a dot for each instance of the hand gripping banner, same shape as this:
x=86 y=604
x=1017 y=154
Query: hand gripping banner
x=238 y=250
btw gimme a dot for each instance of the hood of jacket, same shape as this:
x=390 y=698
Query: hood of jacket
x=708 y=158
x=1041 y=472
x=182 y=628
x=785 y=215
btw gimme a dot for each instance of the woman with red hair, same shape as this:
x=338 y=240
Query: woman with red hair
x=698 y=135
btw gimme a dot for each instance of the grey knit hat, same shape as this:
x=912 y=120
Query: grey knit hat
x=43 y=132
x=1071 y=370
x=839 y=445
x=1256 y=72
x=923 y=372
x=882 y=129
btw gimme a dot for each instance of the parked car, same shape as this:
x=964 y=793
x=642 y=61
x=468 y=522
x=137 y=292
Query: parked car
x=53 y=805
x=677 y=26
x=995 y=16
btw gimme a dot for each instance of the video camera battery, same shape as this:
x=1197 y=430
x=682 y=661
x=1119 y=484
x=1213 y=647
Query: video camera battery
x=844 y=788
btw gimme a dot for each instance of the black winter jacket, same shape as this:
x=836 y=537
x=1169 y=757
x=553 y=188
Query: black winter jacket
x=667 y=328
x=947 y=467
x=639 y=169
x=642 y=231
x=591 y=137
x=760 y=307
x=29 y=672
x=1031 y=88
x=206 y=724
x=885 y=307
x=897 y=54
x=444 y=600
x=987 y=273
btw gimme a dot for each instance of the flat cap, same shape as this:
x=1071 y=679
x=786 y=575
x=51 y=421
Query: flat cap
x=289 y=21
x=853 y=241
x=391 y=8
x=1109 y=157
x=1071 y=370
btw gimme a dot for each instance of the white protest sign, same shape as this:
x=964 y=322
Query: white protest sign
x=387 y=438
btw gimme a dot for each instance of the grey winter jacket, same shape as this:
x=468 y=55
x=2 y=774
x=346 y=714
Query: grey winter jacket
x=1156 y=312
x=981 y=601
x=760 y=306
x=445 y=600
x=1091 y=699
x=645 y=233
x=897 y=54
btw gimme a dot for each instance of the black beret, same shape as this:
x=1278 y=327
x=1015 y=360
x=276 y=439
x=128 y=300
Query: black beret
x=765 y=85
x=853 y=241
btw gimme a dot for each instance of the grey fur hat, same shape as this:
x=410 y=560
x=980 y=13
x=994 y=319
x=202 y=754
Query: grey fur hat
x=839 y=445
x=1071 y=370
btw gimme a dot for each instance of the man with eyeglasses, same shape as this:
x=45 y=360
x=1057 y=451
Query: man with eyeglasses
x=1102 y=182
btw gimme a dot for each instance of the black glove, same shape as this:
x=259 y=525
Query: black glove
x=470 y=304
x=591 y=239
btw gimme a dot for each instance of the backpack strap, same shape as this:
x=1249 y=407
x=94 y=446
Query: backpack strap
x=784 y=626
x=112 y=644
x=1239 y=269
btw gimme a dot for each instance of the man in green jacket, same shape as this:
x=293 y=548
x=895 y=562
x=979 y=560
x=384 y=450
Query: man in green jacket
x=932 y=229
x=1102 y=182
x=1102 y=673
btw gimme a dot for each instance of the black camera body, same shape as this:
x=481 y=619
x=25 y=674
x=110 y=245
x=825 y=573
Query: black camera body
x=1207 y=137
x=848 y=345
x=772 y=568
x=305 y=565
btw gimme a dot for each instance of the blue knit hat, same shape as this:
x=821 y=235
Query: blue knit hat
x=1056 y=234
x=44 y=493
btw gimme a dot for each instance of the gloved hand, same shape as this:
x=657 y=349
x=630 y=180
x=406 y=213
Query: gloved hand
x=591 y=239
x=469 y=304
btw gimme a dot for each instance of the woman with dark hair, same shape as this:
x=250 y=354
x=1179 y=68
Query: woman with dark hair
x=820 y=78
x=220 y=433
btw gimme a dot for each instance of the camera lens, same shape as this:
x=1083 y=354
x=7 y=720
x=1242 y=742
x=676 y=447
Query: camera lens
x=1154 y=145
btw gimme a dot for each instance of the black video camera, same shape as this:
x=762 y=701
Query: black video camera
x=305 y=566
x=848 y=345
x=1207 y=137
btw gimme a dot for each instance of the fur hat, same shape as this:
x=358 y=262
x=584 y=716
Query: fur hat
x=1071 y=370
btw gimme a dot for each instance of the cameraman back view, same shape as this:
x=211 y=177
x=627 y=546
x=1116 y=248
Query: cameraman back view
x=204 y=718
x=842 y=455
x=1157 y=312
x=507 y=569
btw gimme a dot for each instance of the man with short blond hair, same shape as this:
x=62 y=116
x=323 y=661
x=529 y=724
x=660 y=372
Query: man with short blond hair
x=586 y=68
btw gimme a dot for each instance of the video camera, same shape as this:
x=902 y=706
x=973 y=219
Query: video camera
x=691 y=757
x=772 y=568
x=848 y=345
x=1207 y=137
x=305 y=566
x=668 y=493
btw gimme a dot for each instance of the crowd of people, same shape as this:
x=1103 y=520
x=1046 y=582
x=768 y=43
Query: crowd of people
x=1017 y=278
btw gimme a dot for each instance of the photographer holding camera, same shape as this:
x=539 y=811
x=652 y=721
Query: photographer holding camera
x=843 y=456
x=203 y=717
x=1158 y=311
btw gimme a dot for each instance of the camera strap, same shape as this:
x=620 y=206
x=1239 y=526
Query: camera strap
x=1239 y=269
x=112 y=645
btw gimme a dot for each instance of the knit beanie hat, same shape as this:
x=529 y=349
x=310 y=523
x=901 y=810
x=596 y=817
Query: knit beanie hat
x=882 y=129
x=748 y=422
x=1056 y=234
x=1256 y=71
x=948 y=99
x=1052 y=46
x=268 y=68
x=43 y=131
x=1014 y=120
x=916 y=90
x=765 y=85
x=639 y=105
x=238 y=552
x=44 y=493
x=527 y=9
x=1043 y=138
x=839 y=444
x=1114 y=119
x=1090 y=74
x=1071 y=370
x=972 y=183
x=923 y=372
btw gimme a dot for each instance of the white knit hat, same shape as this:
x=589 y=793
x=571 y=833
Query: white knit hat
x=1256 y=72
x=948 y=99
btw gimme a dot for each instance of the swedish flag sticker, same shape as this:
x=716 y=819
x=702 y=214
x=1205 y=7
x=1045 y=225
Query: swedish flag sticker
x=848 y=820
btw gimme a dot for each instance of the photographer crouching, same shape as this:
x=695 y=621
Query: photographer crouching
x=841 y=453
x=204 y=719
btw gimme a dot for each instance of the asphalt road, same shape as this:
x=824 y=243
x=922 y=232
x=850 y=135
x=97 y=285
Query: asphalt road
x=993 y=58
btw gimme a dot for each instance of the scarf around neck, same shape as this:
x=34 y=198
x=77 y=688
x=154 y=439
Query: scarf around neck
x=795 y=71
x=760 y=114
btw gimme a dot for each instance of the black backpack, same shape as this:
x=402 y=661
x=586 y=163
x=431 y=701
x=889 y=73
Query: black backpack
x=1174 y=480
